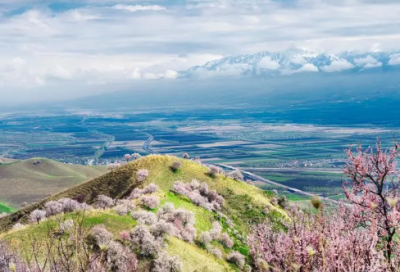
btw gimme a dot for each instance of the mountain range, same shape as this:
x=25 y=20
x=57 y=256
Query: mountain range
x=296 y=61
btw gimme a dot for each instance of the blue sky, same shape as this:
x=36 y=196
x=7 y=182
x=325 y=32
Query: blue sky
x=48 y=44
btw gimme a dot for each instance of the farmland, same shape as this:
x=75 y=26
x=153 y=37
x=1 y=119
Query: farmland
x=304 y=156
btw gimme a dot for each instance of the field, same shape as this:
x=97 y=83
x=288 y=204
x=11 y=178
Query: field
x=305 y=156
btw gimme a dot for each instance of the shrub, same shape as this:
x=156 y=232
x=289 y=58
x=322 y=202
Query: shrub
x=104 y=202
x=136 y=156
x=150 y=202
x=53 y=208
x=121 y=210
x=150 y=189
x=66 y=225
x=216 y=230
x=99 y=237
x=236 y=258
x=283 y=202
x=186 y=156
x=127 y=157
x=176 y=165
x=236 y=175
x=226 y=240
x=113 y=166
x=120 y=258
x=144 y=217
x=145 y=241
x=217 y=253
x=166 y=263
x=162 y=227
x=213 y=171
x=199 y=194
x=142 y=174
x=205 y=238
x=37 y=216
x=188 y=233
x=69 y=205
x=125 y=235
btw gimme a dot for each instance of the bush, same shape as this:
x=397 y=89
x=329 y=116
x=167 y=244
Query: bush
x=145 y=241
x=120 y=258
x=217 y=253
x=99 y=237
x=136 y=156
x=144 y=217
x=283 y=202
x=213 y=171
x=69 y=205
x=188 y=233
x=236 y=175
x=199 y=194
x=150 y=189
x=162 y=227
x=166 y=263
x=142 y=175
x=236 y=258
x=205 y=238
x=53 y=208
x=176 y=165
x=104 y=202
x=226 y=240
x=37 y=216
x=150 y=201
x=186 y=156
x=216 y=230
x=67 y=225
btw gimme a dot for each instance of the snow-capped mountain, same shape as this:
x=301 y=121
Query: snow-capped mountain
x=296 y=61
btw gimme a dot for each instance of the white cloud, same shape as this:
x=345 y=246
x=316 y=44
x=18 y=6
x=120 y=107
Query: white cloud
x=96 y=41
x=306 y=68
x=171 y=74
x=267 y=63
x=337 y=66
x=368 y=62
x=394 y=59
x=133 y=8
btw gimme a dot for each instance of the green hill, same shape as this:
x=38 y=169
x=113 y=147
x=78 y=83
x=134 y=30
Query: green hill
x=244 y=205
x=35 y=179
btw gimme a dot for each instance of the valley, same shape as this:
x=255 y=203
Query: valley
x=307 y=157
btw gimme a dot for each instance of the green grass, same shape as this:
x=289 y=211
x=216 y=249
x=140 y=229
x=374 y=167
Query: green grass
x=294 y=197
x=195 y=259
x=203 y=217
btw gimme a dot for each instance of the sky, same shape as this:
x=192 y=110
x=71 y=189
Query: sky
x=62 y=49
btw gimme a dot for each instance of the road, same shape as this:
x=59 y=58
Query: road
x=147 y=144
x=290 y=189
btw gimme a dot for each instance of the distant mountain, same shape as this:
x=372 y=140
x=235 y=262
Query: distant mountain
x=296 y=61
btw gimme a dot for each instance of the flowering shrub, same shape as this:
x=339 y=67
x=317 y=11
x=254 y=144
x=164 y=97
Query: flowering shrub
x=142 y=175
x=145 y=242
x=226 y=240
x=176 y=165
x=213 y=171
x=66 y=225
x=144 y=217
x=199 y=194
x=236 y=175
x=120 y=258
x=205 y=238
x=150 y=201
x=37 y=216
x=136 y=156
x=237 y=258
x=186 y=156
x=216 y=230
x=166 y=263
x=104 y=202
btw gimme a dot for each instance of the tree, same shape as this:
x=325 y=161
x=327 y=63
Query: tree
x=374 y=188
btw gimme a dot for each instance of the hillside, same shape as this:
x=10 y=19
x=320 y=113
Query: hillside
x=243 y=206
x=35 y=179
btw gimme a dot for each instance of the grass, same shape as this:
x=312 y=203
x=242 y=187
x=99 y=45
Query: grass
x=278 y=178
x=195 y=259
x=203 y=217
x=25 y=181
x=294 y=197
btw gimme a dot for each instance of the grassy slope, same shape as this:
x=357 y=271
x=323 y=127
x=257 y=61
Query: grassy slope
x=25 y=181
x=244 y=205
